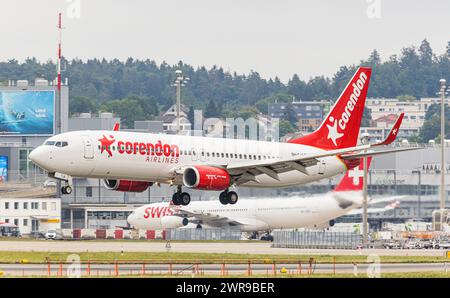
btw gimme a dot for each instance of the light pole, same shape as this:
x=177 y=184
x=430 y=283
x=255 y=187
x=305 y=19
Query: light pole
x=364 y=141
x=442 y=91
x=180 y=81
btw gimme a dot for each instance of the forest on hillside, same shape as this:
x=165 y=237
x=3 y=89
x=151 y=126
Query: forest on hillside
x=138 y=89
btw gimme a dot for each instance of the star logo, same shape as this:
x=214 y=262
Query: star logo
x=356 y=174
x=105 y=144
x=333 y=134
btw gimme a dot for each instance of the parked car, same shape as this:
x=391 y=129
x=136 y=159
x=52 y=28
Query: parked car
x=392 y=245
x=412 y=244
x=444 y=244
x=425 y=244
x=50 y=235
x=267 y=237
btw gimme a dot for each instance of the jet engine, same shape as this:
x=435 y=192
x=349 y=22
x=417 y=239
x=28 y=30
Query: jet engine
x=126 y=185
x=206 y=178
x=173 y=222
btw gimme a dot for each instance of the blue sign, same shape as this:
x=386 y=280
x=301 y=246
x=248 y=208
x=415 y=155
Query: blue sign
x=3 y=168
x=27 y=112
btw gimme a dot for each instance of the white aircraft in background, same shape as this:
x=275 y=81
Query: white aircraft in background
x=132 y=161
x=252 y=215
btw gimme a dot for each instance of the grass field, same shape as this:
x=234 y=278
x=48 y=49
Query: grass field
x=175 y=257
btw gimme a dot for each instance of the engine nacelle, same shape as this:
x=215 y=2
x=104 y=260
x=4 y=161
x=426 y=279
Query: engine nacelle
x=173 y=222
x=206 y=177
x=126 y=185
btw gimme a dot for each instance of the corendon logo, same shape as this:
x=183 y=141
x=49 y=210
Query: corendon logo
x=157 y=212
x=161 y=152
x=333 y=133
x=106 y=143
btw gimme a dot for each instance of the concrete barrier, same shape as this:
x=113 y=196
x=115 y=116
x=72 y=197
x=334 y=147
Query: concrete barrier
x=67 y=233
x=88 y=233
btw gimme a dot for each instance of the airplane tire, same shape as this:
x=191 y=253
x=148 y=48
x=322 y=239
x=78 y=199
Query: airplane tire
x=199 y=226
x=232 y=197
x=176 y=198
x=68 y=190
x=223 y=198
x=184 y=198
x=63 y=190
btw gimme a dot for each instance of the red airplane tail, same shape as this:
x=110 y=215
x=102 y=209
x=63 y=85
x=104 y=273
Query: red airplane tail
x=340 y=129
x=353 y=179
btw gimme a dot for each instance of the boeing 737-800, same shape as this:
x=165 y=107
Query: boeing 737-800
x=132 y=161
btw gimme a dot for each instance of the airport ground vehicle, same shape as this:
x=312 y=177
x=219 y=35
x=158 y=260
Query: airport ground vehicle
x=393 y=244
x=132 y=161
x=9 y=230
x=443 y=243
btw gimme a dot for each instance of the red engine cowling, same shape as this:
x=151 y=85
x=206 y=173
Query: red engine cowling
x=126 y=185
x=206 y=177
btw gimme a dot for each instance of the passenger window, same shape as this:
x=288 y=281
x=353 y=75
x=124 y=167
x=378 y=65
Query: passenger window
x=58 y=144
x=64 y=144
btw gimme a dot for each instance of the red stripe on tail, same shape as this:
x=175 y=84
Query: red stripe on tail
x=340 y=129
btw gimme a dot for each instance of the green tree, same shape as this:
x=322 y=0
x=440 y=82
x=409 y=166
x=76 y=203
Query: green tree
x=82 y=104
x=285 y=127
x=211 y=109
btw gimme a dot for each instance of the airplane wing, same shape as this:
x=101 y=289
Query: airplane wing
x=207 y=218
x=243 y=172
x=388 y=207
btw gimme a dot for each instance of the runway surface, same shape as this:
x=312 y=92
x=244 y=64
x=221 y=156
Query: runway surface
x=206 y=269
x=196 y=247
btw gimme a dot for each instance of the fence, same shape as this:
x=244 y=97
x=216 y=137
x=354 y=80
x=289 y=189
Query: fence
x=203 y=234
x=316 y=239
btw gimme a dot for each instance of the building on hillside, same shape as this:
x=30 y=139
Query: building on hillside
x=414 y=110
x=310 y=114
x=169 y=119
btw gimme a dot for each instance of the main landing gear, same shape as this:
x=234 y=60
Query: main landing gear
x=66 y=190
x=228 y=197
x=181 y=198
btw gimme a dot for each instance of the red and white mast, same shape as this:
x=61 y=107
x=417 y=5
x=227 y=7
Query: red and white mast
x=59 y=52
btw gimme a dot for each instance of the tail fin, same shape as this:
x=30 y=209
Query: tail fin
x=353 y=179
x=340 y=129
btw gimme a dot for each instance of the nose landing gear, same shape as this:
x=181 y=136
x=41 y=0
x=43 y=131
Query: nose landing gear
x=181 y=198
x=228 y=197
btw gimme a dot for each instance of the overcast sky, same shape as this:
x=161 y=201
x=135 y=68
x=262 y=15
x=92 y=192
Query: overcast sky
x=272 y=37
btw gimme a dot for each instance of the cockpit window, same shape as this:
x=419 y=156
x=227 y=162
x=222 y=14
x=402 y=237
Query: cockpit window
x=57 y=144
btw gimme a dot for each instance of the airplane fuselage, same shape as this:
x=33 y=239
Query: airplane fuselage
x=155 y=157
x=254 y=214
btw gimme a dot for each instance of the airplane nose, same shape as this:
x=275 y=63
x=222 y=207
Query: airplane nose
x=131 y=219
x=40 y=157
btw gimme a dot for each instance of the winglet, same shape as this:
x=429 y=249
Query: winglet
x=116 y=126
x=393 y=133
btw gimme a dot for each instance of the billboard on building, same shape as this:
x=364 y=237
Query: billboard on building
x=3 y=168
x=27 y=112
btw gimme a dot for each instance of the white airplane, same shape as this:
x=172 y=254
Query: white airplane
x=254 y=215
x=131 y=161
